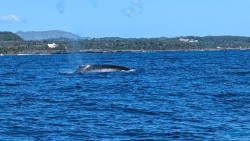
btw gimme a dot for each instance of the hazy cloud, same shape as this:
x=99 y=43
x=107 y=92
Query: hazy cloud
x=10 y=19
x=93 y=2
x=129 y=11
x=60 y=6
x=134 y=7
x=137 y=3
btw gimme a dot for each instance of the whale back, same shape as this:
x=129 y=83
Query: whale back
x=101 y=68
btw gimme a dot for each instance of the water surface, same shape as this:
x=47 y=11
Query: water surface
x=170 y=96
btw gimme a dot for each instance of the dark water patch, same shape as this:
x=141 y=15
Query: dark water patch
x=30 y=78
x=138 y=111
x=68 y=88
x=12 y=84
x=240 y=73
x=9 y=73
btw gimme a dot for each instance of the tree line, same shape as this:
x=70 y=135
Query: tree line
x=13 y=44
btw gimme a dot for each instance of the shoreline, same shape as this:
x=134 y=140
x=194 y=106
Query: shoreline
x=181 y=50
x=122 y=51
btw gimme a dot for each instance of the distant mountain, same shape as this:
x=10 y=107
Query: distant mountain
x=44 y=35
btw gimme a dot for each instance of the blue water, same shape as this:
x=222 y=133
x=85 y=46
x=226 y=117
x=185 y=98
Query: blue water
x=170 y=96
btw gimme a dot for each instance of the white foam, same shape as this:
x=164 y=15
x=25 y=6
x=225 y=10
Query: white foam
x=87 y=66
x=131 y=70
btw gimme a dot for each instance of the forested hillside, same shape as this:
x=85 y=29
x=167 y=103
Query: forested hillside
x=163 y=43
x=9 y=36
x=10 y=43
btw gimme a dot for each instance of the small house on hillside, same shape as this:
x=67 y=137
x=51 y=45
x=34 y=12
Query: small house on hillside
x=53 y=45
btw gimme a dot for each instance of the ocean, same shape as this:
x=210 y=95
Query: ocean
x=182 y=95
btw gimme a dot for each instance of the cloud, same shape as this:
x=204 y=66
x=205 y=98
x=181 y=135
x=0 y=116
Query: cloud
x=134 y=7
x=10 y=19
x=129 y=11
x=93 y=2
x=138 y=3
x=60 y=6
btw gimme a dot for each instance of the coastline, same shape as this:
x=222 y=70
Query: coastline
x=205 y=49
x=118 y=51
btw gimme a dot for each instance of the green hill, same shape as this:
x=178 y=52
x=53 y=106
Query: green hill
x=9 y=36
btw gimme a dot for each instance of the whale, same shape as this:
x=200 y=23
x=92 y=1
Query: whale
x=101 y=68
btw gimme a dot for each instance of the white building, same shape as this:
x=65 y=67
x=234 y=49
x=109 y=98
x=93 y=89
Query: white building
x=188 y=40
x=53 y=45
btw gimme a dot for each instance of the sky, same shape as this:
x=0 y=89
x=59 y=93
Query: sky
x=128 y=18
